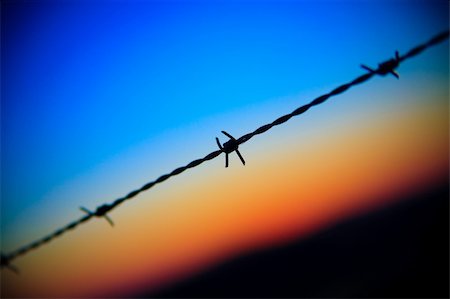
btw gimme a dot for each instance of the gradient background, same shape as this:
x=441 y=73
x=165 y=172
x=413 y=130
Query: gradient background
x=100 y=97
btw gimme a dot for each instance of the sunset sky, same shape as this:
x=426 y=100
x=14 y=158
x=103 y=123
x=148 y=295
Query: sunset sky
x=99 y=98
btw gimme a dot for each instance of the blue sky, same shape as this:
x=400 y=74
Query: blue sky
x=83 y=82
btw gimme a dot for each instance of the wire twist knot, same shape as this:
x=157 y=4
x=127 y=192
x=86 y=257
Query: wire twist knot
x=387 y=67
x=100 y=212
x=230 y=146
x=5 y=262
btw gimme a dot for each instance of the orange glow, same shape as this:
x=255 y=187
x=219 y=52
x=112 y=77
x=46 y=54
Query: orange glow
x=285 y=192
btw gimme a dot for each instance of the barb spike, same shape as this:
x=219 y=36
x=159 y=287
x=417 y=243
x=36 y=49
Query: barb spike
x=100 y=212
x=5 y=262
x=387 y=67
x=229 y=147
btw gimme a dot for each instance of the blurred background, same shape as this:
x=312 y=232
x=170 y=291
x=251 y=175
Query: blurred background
x=100 y=97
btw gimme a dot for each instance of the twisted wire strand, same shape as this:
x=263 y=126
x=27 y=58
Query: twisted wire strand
x=105 y=208
x=25 y=249
x=341 y=89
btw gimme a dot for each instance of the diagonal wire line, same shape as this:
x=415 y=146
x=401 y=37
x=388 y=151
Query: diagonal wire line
x=101 y=211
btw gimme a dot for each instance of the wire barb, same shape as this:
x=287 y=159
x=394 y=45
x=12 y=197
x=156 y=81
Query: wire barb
x=100 y=212
x=230 y=146
x=384 y=68
x=5 y=263
x=387 y=67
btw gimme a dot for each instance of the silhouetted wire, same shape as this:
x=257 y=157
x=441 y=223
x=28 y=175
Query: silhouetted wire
x=101 y=211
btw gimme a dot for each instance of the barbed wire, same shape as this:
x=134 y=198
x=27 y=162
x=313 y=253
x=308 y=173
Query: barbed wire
x=384 y=68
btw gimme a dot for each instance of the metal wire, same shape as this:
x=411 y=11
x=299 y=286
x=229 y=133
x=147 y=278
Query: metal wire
x=101 y=211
